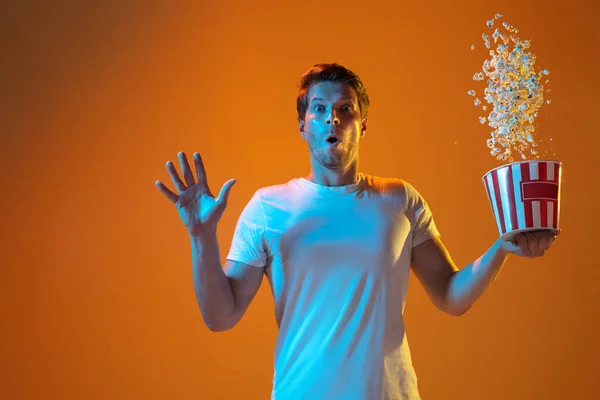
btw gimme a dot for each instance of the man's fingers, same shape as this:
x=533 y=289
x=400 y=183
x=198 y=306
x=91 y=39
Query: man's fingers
x=175 y=176
x=522 y=244
x=185 y=169
x=543 y=241
x=200 y=172
x=544 y=238
x=547 y=240
x=520 y=241
x=164 y=190
x=533 y=243
x=225 y=190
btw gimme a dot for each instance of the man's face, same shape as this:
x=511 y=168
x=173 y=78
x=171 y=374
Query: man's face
x=333 y=125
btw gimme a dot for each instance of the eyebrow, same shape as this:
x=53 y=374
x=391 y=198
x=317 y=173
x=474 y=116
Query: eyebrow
x=342 y=99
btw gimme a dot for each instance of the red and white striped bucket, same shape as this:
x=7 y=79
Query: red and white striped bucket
x=525 y=196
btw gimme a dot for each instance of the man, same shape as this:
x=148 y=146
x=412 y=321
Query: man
x=336 y=247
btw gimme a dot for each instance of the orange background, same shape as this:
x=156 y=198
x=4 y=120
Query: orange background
x=97 y=299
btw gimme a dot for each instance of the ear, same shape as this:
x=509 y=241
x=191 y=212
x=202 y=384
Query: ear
x=363 y=128
x=301 y=128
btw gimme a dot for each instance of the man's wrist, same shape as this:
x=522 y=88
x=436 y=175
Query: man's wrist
x=203 y=234
x=501 y=247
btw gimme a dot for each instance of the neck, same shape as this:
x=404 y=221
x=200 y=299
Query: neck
x=333 y=177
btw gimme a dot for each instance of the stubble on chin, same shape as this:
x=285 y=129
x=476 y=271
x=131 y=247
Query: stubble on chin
x=331 y=160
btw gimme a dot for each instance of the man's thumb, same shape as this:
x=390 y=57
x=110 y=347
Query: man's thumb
x=225 y=190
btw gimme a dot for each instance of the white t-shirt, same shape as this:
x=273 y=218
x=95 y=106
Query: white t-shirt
x=337 y=260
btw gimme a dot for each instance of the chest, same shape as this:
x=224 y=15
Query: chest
x=353 y=236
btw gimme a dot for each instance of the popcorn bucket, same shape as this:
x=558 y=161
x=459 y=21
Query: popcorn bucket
x=525 y=196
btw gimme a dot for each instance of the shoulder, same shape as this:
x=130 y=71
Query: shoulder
x=397 y=189
x=276 y=192
x=388 y=185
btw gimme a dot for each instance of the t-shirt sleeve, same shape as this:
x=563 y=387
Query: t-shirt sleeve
x=247 y=245
x=423 y=225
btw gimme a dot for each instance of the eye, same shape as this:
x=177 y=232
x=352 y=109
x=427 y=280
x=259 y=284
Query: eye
x=319 y=108
x=348 y=108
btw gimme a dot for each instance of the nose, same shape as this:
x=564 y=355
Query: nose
x=332 y=118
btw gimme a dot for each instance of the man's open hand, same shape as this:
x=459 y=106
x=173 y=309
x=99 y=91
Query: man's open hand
x=530 y=244
x=198 y=208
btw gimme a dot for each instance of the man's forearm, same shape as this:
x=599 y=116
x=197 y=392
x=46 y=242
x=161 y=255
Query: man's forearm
x=212 y=287
x=469 y=283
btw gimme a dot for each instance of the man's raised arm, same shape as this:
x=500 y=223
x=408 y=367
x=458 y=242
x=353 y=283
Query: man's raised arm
x=222 y=297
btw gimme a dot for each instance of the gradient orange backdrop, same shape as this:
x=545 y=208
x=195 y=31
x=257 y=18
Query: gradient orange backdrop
x=97 y=299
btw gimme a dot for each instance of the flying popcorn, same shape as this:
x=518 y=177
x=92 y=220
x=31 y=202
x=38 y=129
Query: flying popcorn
x=514 y=92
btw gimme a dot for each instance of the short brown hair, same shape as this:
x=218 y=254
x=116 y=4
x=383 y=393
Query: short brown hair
x=330 y=73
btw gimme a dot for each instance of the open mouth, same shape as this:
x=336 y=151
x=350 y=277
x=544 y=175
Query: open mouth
x=332 y=140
